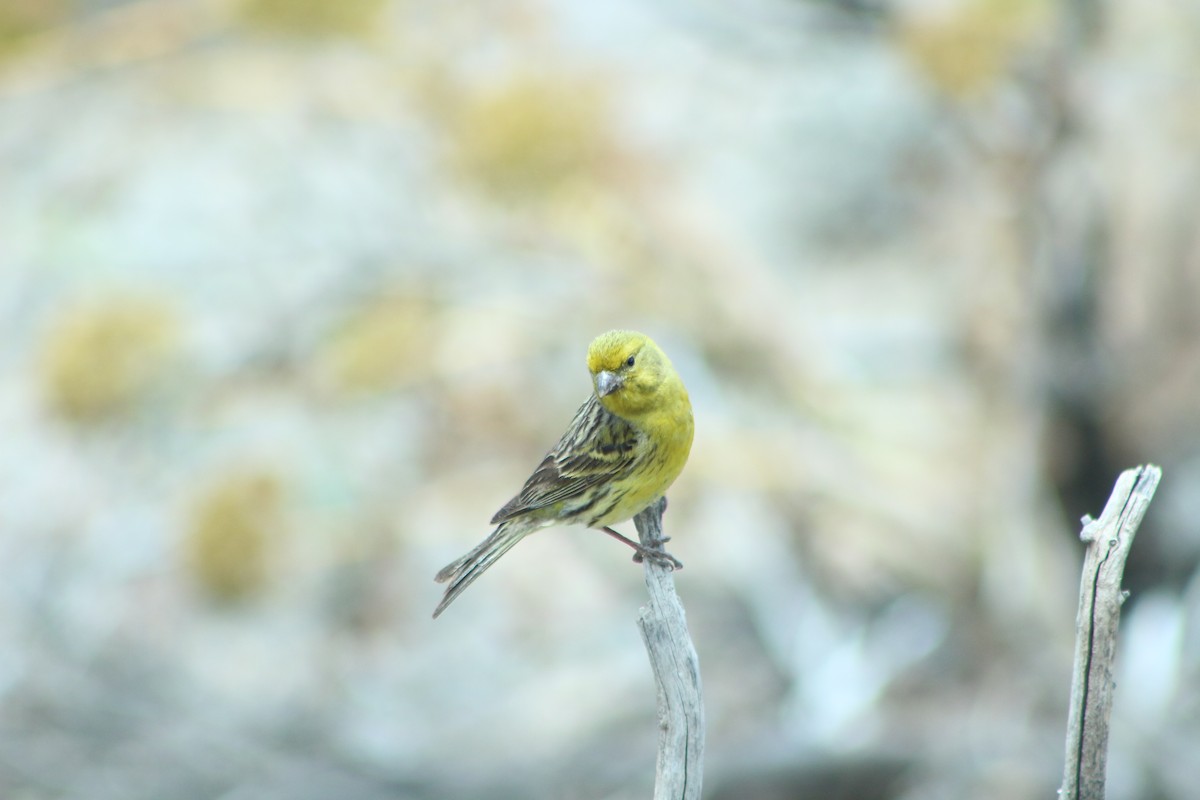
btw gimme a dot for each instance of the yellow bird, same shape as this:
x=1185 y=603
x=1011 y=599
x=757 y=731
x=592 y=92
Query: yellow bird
x=626 y=446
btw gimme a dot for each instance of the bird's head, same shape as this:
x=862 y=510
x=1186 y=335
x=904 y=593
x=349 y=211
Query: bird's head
x=628 y=369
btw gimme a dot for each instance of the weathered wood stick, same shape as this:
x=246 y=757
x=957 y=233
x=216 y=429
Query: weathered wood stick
x=1100 y=597
x=680 y=769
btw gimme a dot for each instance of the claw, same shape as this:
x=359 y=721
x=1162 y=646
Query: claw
x=652 y=550
x=660 y=557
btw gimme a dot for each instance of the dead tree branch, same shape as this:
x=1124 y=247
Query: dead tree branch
x=1100 y=597
x=676 y=668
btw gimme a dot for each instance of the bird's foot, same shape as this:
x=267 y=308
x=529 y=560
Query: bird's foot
x=656 y=555
x=652 y=550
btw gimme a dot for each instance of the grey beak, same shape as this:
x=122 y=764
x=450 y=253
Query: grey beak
x=607 y=383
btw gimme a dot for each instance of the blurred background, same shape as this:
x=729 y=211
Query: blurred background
x=294 y=294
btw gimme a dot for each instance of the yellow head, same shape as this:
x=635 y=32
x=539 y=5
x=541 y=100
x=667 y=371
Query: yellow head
x=629 y=372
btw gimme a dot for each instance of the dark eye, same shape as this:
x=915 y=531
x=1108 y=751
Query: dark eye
x=629 y=361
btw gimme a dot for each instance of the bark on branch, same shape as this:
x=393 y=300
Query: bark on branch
x=676 y=668
x=1100 y=597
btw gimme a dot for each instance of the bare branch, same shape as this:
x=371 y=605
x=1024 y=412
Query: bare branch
x=676 y=673
x=1100 y=597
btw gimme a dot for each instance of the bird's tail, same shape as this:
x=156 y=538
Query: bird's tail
x=464 y=571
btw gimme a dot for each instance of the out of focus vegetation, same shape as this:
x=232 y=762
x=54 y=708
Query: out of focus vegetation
x=383 y=345
x=295 y=294
x=967 y=48
x=532 y=138
x=233 y=529
x=20 y=19
x=103 y=360
x=312 y=17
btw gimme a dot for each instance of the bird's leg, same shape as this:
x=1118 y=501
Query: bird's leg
x=655 y=553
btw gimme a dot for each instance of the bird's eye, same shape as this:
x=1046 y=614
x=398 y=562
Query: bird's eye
x=629 y=361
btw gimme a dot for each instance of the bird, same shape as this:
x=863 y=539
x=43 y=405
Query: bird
x=624 y=448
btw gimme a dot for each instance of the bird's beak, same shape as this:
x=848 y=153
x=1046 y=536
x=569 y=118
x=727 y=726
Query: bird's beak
x=607 y=382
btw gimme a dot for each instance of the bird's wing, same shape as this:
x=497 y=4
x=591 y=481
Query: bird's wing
x=597 y=448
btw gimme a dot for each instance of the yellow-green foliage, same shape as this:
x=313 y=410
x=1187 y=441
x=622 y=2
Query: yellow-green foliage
x=312 y=17
x=103 y=360
x=967 y=47
x=381 y=345
x=20 y=18
x=232 y=530
x=531 y=136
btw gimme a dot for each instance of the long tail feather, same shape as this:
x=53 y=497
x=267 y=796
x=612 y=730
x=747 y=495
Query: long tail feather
x=463 y=572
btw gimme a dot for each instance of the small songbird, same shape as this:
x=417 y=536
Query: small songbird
x=626 y=446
